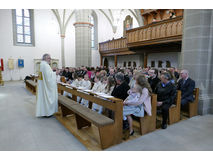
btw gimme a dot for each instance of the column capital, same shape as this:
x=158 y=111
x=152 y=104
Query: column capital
x=62 y=35
x=83 y=24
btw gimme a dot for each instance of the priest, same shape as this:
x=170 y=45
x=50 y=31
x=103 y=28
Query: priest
x=47 y=95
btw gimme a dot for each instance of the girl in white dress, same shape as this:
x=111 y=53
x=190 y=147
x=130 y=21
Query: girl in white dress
x=86 y=85
x=98 y=87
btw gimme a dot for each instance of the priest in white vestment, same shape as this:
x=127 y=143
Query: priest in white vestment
x=47 y=93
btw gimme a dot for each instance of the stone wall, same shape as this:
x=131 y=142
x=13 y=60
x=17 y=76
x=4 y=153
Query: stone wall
x=197 y=47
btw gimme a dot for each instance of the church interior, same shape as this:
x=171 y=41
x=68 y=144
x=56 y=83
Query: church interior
x=94 y=45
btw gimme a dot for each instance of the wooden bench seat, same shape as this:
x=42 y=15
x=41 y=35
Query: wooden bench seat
x=90 y=115
x=31 y=85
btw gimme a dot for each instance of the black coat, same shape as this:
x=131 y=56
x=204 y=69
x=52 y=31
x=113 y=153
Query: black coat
x=186 y=89
x=166 y=94
x=121 y=91
x=153 y=82
x=69 y=76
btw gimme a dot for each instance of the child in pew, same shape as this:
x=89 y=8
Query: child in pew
x=79 y=84
x=96 y=88
x=73 y=83
x=101 y=89
x=139 y=99
x=108 y=90
x=103 y=84
x=86 y=84
x=134 y=96
x=110 y=85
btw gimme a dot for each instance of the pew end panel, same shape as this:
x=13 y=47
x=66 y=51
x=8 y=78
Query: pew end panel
x=148 y=123
x=174 y=110
x=193 y=106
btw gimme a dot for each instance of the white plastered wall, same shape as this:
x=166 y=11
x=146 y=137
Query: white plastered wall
x=47 y=40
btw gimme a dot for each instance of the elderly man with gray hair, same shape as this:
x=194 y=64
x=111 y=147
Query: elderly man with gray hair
x=47 y=94
x=186 y=85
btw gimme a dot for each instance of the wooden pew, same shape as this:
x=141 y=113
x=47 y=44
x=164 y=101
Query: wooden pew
x=148 y=123
x=174 y=110
x=192 y=106
x=110 y=131
x=31 y=85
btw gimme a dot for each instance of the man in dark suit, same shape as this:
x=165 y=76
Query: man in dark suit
x=153 y=78
x=166 y=94
x=120 y=91
x=186 y=85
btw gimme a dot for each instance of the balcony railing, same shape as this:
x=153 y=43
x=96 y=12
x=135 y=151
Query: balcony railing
x=165 y=31
x=113 y=44
x=171 y=28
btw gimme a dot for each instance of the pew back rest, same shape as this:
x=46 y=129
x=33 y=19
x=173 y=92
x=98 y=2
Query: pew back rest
x=196 y=94
x=113 y=104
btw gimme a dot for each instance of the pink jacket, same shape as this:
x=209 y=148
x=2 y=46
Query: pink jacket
x=144 y=99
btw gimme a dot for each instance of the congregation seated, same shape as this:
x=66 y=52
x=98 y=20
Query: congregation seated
x=100 y=77
x=186 y=85
x=166 y=94
x=139 y=99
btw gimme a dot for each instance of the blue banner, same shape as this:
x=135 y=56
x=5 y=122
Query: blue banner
x=20 y=63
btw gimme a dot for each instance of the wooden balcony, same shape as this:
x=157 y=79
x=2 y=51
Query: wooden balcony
x=114 y=47
x=165 y=31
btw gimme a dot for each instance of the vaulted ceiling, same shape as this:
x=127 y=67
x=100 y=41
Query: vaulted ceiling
x=63 y=17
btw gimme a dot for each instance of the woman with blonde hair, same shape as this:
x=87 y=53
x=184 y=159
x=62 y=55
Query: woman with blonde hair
x=139 y=99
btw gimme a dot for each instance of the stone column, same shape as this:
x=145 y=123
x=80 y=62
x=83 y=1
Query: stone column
x=83 y=38
x=197 y=48
x=62 y=51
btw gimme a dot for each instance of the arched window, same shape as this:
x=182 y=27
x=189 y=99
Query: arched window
x=23 y=31
x=94 y=31
x=160 y=64
x=124 y=64
x=127 y=24
x=168 y=64
x=129 y=64
x=134 y=64
x=152 y=63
